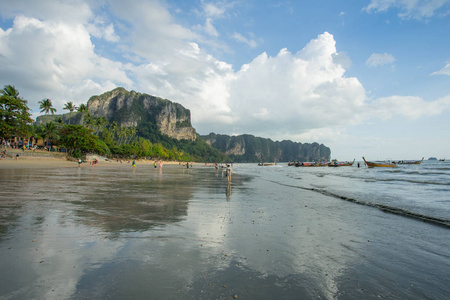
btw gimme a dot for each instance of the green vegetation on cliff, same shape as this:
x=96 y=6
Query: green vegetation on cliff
x=131 y=124
x=248 y=148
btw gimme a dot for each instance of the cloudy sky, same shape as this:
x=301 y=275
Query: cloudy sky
x=364 y=77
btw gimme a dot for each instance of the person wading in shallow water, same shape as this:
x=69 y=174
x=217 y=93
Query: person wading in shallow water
x=229 y=171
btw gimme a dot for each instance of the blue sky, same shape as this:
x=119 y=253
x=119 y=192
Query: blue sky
x=365 y=78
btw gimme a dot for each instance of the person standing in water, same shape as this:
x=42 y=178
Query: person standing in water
x=228 y=172
x=133 y=164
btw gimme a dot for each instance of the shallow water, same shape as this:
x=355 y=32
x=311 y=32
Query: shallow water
x=115 y=233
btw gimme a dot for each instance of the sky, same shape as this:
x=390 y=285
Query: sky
x=363 y=77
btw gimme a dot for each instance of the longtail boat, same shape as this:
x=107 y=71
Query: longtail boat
x=311 y=164
x=409 y=162
x=336 y=163
x=266 y=164
x=382 y=164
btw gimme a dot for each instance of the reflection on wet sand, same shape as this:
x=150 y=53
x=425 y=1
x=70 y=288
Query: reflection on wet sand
x=135 y=206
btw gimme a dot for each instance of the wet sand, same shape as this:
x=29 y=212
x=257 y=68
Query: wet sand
x=116 y=232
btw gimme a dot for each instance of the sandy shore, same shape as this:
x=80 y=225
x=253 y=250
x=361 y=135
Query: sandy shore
x=59 y=160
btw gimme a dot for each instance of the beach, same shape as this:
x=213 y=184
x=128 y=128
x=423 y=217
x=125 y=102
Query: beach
x=44 y=159
x=116 y=232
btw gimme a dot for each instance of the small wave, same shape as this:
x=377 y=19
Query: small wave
x=375 y=179
x=445 y=169
x=414 y=181
x=383 y=207
x=422 y=173
x=389 y=209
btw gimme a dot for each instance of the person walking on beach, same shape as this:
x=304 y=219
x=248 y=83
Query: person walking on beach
x=228 y=172
x=79 y=162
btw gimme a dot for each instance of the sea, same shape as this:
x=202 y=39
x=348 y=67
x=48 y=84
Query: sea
x=418 y=191
x=275 y=232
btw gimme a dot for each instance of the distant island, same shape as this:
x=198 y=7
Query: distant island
x=432 y=158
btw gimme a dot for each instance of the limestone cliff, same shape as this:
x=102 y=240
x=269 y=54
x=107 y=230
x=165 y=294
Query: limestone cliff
x=143 y=111
x=248 y=148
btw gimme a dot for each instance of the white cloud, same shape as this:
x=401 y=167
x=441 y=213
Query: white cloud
x=214 y=9
x=408 y=107
x=378 y=59
x=416 y=9
x=240 y=38
x=299 y=91
x=48 y=59
x=443 y=71
x=99 y=30
x=152 y=32
x=208 y=28
x=69 y=12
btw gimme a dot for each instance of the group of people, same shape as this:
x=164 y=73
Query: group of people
x=91 y=163
x=228 y=171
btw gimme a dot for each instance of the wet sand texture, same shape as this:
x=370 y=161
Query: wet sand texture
x=115 y=232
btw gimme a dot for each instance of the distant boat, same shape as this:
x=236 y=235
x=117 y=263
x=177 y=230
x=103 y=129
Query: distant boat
x=291 y=163
x=382 y=164
x=442 y=159
x=311 y=164
x=266 y=164
x=409 y=162
x=335 y=163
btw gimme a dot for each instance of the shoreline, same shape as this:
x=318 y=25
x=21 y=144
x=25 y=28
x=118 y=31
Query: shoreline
x=43 y=159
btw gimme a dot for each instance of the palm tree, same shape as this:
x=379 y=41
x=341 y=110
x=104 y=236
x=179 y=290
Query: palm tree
x=114 y=127
x=10 y=90
x=70 y=106
x=122 y=133
x=49 y=132
x=131 y=133
x=100 y=124
x=88 y=121
x=35 y=132
x=82 y=109
x=59 y=121
x=47 y=106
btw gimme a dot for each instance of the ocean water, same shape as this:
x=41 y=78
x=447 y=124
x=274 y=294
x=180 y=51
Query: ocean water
x=278 y=232
x=421 y=191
